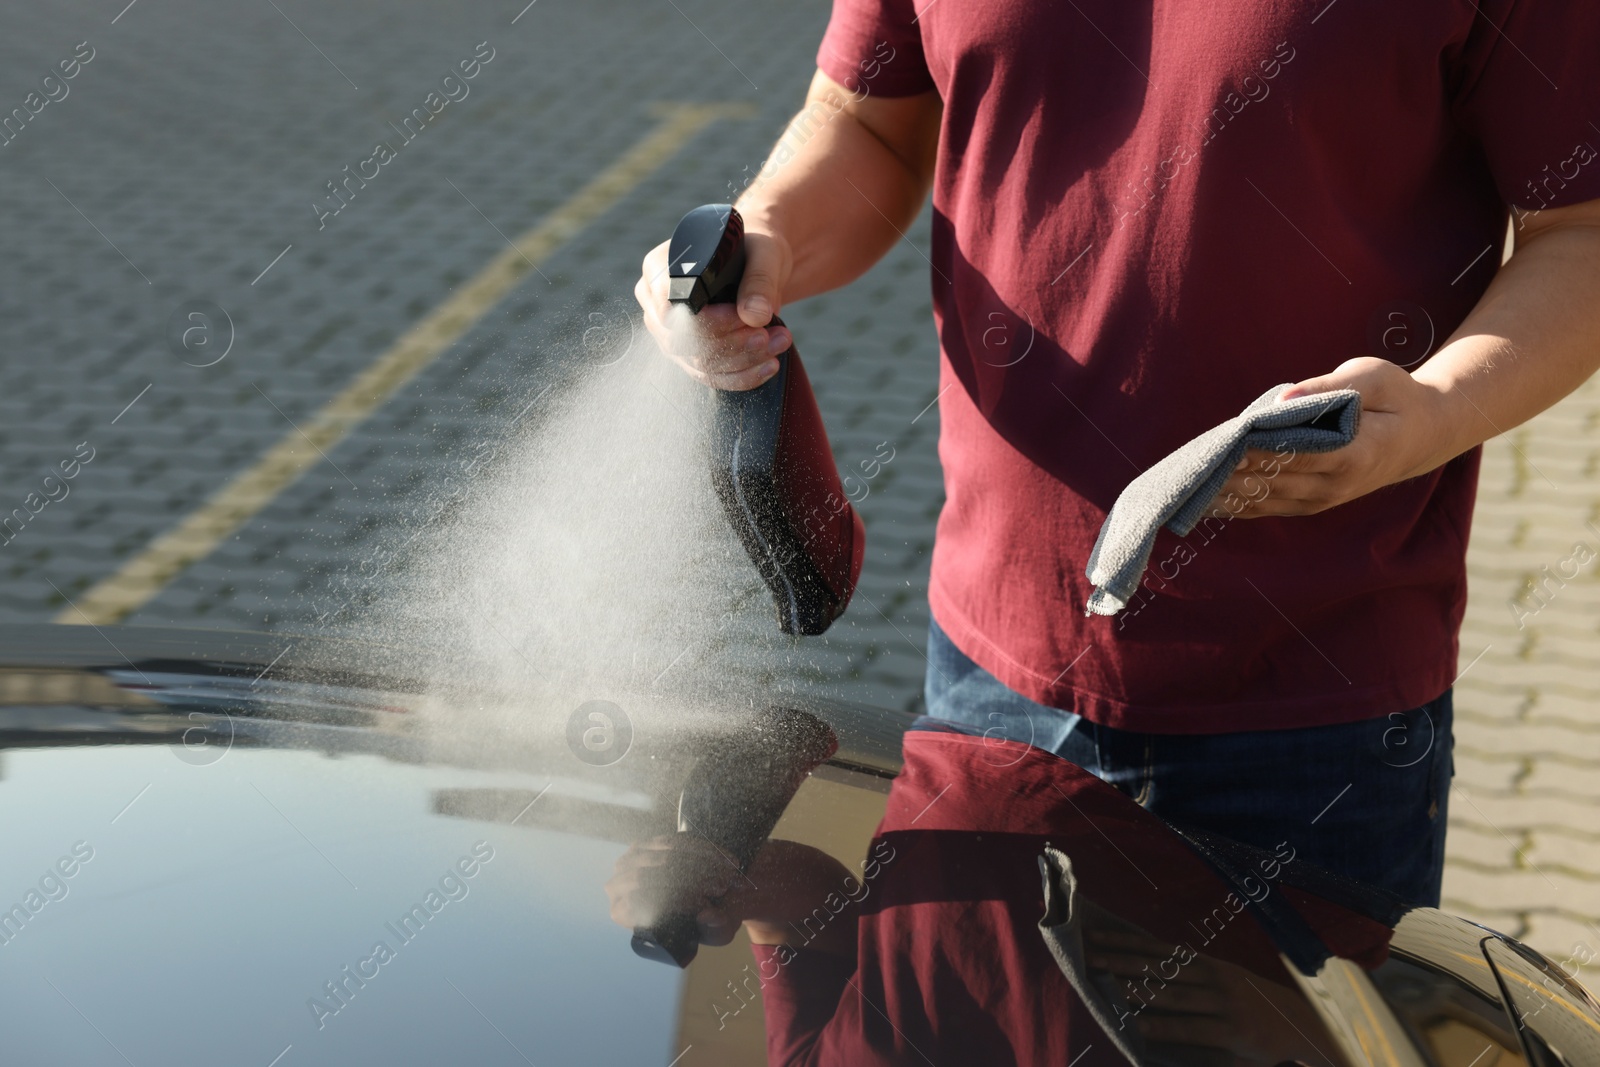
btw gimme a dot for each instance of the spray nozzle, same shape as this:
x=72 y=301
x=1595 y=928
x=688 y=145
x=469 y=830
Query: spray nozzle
x=706 y=257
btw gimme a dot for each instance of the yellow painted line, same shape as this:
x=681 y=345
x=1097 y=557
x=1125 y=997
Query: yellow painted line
x=138 y=580
x=1376 y=1026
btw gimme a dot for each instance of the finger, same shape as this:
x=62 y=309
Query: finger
x=1323 y=383
x=722 y=352
x=758 y=288
x=1367 y=375
x=677 y=874
x=1250 y=490
x=1261 y=459
x=716 y=332
x=725 y=371
x=1270 y=463
x=1255 y=478
x=1299 y=495
x=654 y=894
x=1241 y=491
x=741 y=381
x=629 y=862
x=1288 y=509
x=653 y=274
x=724 y=346
x=723 y=324
x=654 y=323
x=623 y=894
x=640 y=908
x=681 y=853
x=1239 y=496
x=719 y=342
x=648 y=304
x=734 y=376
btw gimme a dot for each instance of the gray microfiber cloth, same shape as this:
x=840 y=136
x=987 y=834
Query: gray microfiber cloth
x=1067 y=913
x=1180 y=490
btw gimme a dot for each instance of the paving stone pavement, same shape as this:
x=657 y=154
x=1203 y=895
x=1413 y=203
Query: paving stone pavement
x=196 y=140
x=187 y=156
x=1524 y=841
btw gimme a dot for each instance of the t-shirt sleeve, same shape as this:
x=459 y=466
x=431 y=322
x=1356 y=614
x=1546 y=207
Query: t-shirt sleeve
x=802 y=1003
x=1527 y=86
x=875 y=47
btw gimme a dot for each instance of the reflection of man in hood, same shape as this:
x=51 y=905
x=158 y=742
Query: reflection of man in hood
x=935 y=951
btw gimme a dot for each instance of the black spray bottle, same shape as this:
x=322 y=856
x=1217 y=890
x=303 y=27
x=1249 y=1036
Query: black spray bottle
x=739 y=788
x=771 y=463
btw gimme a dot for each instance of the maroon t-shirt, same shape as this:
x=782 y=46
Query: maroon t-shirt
x=1146 y=215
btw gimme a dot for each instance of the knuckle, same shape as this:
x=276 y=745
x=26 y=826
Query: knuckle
x=727 y=359
x=744 y=380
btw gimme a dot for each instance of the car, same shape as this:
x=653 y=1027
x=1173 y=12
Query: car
x=280 y=850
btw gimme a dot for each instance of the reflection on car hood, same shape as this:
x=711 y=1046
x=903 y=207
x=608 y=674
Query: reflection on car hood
x=238 y=846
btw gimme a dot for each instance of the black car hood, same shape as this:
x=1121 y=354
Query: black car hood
x=285 y=850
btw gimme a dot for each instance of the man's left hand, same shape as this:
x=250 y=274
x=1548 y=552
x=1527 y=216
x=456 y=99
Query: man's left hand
x=1399 y=437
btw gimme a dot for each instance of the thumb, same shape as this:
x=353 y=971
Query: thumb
x=1359 y=374
x=766 y=268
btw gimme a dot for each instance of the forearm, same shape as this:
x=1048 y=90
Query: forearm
x=853 y=185
x=1533 y=338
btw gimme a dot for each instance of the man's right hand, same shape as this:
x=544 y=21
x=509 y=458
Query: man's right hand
x=726 y=346
x=847 y=178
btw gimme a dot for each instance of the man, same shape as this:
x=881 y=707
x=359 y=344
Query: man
x=1165 y=209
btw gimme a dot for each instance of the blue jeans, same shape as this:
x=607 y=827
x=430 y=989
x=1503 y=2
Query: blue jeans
x=1364 y=799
